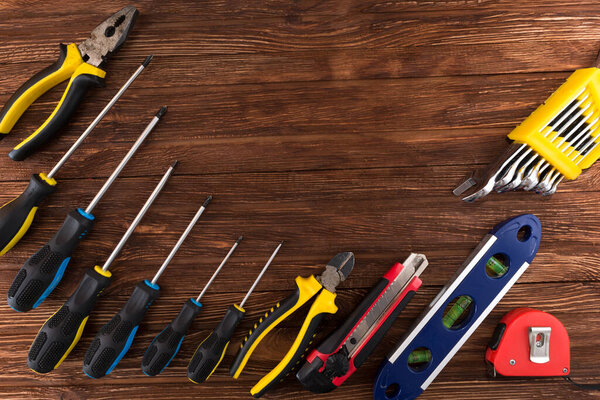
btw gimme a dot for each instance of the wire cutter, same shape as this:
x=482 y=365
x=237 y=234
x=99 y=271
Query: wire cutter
x=323 y=287
x=82 y=63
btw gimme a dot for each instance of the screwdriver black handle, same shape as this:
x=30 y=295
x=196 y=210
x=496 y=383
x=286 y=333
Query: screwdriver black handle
x=17 y=215
x=44 y=270
x=210 y=352
x=61 y=332
x=166 y=344
x=114 y=339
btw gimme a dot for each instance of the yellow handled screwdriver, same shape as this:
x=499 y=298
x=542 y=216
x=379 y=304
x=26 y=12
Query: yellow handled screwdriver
x=17 y=215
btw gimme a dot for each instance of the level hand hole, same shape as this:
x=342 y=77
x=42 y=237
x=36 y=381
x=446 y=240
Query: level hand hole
x=497 y=265
x=458 y=312
x=524 y=233
x=392 y=391
x=419 y=359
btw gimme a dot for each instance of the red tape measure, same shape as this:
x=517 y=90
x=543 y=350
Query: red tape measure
x=529 y=342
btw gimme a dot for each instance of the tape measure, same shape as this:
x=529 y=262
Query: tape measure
x=459 y=308
x=529 y=342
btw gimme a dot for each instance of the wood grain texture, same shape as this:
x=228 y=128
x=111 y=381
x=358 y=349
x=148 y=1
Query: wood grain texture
x=334 y=126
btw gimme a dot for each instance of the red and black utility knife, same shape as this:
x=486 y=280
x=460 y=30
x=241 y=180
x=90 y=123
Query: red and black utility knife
x=344 y=351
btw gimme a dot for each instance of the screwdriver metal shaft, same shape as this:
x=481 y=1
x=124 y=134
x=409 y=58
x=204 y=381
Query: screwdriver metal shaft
x=260 y=275
x=95 y=122
x=181 y=239
x=126 y=159
x=139 y=216
x=214 y=275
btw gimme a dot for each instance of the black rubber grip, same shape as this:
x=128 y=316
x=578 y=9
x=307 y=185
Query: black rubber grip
x=32 y=81
x=272 y=317
x=76 y=91
x=309 y=335
x=166 y=344
x=209 y=353
x=62 y=331
x=114 y=339
x=44 y=270
x=14 y=214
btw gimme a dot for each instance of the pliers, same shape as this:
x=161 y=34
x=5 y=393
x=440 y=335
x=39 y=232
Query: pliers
x=323 y=287
x=82 y=63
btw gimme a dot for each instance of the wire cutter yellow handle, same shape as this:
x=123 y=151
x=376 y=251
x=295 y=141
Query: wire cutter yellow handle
x=324 y=304
x=69 y=64
x=306 y=288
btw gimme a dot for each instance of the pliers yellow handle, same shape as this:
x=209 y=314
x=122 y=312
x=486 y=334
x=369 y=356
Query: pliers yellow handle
x=324 y=303
x=70 y=64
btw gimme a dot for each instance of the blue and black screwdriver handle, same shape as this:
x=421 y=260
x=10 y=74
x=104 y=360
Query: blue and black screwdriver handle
x=165 y=345
x=114 y=339
x=83 y=64
x=61 y=332
x=17 y=215
x=44 y=270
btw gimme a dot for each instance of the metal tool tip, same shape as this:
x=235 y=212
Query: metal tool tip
x=175 y=164
x=147 y=60
x=161 y=112
x=240 y=239
x=208 y=199
x=463 y=187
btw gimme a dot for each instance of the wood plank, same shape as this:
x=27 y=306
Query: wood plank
x=319 y=213
x=290 y=119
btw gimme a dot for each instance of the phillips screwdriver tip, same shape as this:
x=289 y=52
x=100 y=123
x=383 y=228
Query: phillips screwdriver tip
x=161 y=112
x=175 y=164
x=147 y=60
x=208 y=199
x=239 y=239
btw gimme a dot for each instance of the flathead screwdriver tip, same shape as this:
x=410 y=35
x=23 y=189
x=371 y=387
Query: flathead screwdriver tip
x=208 y=199
x=147 y=60
x=239 y=239
x=161 y=112
x=175 y=164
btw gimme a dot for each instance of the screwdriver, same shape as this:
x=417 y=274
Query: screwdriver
x=210 y=352
x=165 y=345
x=114 y=339
x=16 y=216
x=61 y=332
x=44 y=270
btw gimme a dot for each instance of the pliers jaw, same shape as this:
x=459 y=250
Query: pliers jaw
x=108 y=37
x=336 y=271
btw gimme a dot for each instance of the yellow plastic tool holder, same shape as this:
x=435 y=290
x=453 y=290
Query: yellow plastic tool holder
x=533 y=130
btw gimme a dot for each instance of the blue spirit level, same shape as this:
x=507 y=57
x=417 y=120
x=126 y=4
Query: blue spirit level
x=460 y=307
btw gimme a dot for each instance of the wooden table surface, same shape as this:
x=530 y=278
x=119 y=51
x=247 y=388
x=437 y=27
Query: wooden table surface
x=335 y=126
